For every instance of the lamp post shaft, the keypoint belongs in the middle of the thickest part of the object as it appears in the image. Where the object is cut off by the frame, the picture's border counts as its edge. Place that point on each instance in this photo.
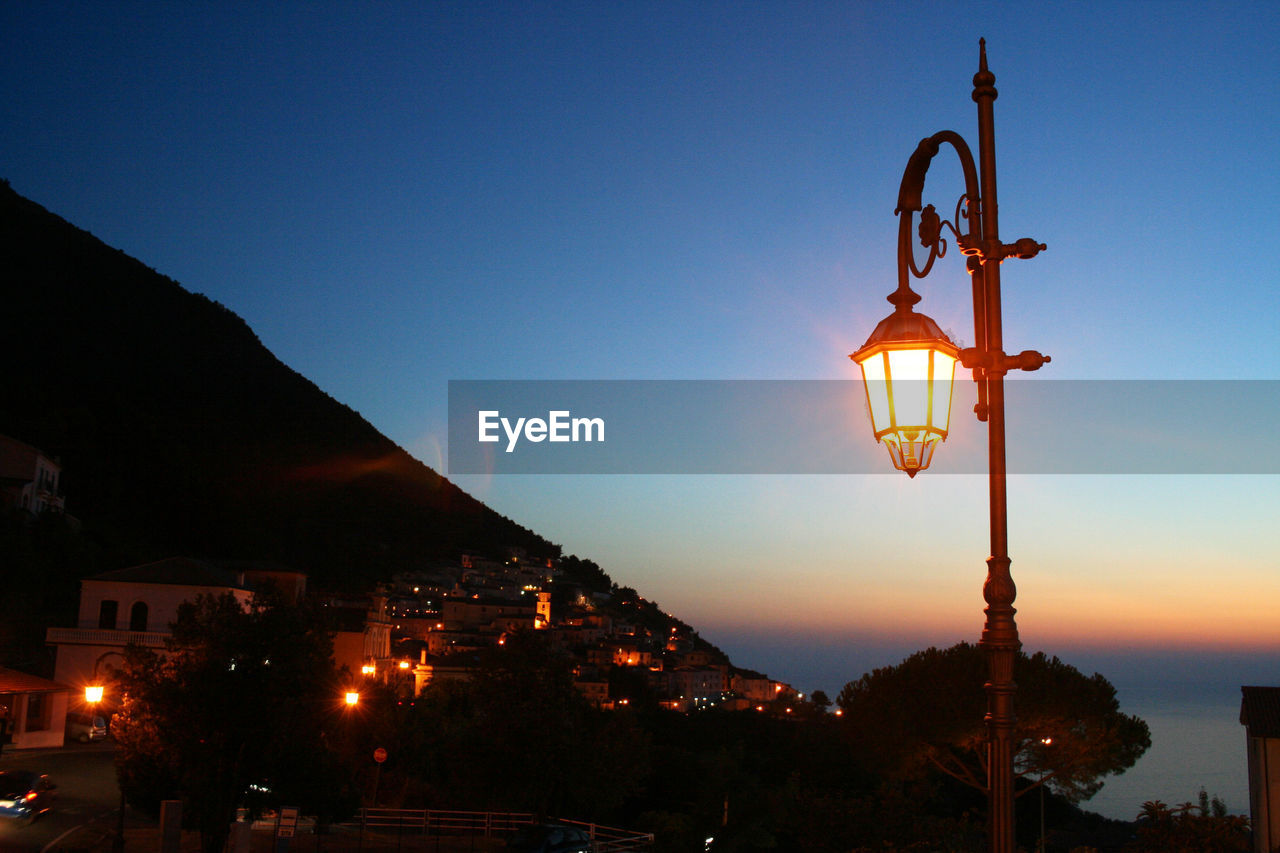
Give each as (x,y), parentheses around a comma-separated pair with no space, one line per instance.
(1000,633)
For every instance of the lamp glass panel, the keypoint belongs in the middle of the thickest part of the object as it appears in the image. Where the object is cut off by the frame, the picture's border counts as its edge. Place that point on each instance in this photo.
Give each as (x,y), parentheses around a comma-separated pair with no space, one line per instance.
(926,451)
(895,451)
(873,378)
(944,372)
(909,374)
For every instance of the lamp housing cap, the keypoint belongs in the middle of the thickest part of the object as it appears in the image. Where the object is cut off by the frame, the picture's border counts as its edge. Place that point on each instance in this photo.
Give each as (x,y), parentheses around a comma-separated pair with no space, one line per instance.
(909,328)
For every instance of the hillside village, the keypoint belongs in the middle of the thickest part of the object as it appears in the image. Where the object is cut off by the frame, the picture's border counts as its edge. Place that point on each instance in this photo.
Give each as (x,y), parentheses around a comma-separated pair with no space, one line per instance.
(420,627)
(623,646)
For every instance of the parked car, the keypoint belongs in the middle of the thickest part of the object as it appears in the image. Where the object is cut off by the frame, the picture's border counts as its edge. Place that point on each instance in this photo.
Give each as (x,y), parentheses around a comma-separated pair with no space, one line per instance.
(25,795)
(86,727)
(551,838)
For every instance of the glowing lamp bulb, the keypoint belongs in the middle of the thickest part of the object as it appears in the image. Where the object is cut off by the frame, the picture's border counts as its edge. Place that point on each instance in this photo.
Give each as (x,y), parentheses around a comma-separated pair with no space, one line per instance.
(908,365)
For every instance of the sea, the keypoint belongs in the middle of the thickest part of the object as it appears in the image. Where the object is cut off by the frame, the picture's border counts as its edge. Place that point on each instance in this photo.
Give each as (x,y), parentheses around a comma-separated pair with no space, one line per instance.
(1197,743)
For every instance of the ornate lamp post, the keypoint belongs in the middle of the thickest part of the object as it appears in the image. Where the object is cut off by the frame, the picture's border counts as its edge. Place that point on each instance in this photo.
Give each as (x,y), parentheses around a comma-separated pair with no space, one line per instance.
(94,693)
(907,366)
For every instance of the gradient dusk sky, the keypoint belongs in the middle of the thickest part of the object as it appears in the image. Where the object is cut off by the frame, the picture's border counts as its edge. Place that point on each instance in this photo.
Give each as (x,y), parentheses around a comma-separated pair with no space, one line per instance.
(394,195)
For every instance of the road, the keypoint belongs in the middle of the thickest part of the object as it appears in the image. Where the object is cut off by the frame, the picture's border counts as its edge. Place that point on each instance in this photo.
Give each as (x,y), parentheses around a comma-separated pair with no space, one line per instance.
(87,792)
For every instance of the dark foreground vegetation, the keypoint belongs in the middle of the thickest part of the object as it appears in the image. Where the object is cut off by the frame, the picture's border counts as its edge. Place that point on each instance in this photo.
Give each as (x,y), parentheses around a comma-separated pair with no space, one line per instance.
(247,712)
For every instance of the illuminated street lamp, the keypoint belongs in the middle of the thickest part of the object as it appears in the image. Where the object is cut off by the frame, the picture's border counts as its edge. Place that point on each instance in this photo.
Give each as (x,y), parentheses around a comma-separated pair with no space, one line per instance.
(1044,741)
(352,698)
(95,691)
(907,366)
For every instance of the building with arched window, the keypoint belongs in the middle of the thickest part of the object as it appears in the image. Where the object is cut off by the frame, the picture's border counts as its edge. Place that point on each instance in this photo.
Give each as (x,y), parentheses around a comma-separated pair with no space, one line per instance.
(138,604)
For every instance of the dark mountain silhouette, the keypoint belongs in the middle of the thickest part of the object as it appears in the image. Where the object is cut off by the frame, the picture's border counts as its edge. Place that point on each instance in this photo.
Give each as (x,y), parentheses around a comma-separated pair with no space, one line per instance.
(180,433)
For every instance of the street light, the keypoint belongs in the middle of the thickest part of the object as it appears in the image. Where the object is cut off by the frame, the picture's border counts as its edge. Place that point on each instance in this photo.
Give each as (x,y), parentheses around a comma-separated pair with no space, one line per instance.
(95,690)
(907,366)
(93,694)
(1044,741)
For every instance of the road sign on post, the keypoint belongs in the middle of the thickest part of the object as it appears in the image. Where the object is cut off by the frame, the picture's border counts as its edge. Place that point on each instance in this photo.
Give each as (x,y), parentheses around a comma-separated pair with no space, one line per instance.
(379,755)
(288,822)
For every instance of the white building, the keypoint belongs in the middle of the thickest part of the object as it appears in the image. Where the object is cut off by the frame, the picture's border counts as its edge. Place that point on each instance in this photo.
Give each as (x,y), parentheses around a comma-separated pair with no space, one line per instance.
(29,480)
(138,604)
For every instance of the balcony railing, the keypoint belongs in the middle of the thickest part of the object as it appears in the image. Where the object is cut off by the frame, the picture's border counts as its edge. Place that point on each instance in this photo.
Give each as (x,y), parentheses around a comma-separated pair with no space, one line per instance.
(105,637)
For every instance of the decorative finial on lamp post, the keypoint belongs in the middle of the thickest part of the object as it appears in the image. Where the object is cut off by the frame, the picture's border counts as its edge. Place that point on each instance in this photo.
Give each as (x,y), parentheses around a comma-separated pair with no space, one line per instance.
(984,82)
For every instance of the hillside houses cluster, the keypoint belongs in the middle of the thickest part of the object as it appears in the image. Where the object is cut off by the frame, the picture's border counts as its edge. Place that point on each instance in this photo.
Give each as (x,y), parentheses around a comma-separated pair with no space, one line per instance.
(438,622)
(423,627)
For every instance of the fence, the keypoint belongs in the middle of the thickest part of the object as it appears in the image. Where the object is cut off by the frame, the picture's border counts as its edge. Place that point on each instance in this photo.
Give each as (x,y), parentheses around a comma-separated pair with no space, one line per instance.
(427,823)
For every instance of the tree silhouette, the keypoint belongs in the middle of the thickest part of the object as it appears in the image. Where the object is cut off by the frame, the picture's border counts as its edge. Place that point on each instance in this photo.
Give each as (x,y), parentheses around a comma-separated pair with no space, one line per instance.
(219,714)
(928,710)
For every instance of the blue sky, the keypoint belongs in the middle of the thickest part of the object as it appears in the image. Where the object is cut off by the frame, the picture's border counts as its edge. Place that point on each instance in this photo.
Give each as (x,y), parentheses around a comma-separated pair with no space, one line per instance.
(394,195)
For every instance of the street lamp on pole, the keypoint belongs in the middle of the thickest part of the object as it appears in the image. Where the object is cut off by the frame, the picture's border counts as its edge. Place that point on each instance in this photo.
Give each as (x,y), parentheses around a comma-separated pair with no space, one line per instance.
(1044,741)
(94,692)
(907,368)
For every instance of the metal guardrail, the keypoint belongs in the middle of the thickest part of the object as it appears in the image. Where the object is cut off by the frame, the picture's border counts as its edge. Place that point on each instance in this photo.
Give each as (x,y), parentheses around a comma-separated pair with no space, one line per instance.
(443,822)
(610,839)
(430,822)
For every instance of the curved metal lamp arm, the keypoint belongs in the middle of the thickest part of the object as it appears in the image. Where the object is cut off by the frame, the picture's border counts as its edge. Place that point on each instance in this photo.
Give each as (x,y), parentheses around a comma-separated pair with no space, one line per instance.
(969,206)
(910,200)
(980,359)
(911,190)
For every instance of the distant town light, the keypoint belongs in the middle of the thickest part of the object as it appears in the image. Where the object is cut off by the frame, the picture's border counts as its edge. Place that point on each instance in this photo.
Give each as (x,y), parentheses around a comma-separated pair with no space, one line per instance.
(404,664)
(368,669)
